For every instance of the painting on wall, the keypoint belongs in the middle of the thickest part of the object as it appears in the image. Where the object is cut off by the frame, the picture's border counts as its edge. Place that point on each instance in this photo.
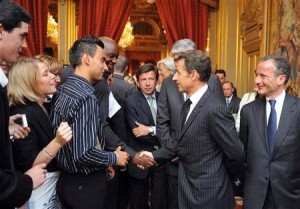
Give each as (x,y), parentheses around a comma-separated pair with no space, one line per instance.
(285,37)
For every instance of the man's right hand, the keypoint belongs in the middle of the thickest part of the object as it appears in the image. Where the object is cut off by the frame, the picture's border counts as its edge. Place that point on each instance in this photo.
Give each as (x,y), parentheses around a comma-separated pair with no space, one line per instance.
(122,157)
(37,174)
(143,161)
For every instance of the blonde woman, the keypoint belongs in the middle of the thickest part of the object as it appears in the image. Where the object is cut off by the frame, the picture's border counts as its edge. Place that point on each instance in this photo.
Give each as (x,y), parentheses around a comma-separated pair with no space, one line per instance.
(29,83)
(54,66)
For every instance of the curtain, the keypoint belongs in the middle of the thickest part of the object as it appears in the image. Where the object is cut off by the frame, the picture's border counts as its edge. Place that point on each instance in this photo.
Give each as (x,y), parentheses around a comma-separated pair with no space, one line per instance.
(36,40)
(103,17)
(184,19)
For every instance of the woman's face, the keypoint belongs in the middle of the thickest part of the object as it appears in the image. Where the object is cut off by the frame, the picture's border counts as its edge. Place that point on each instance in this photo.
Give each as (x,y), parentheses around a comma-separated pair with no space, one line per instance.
(163,71)
(57,79)
(46,81)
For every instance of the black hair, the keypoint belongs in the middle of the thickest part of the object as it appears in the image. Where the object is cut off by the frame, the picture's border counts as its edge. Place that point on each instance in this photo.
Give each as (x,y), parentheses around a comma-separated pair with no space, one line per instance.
(84,45)
(12,15)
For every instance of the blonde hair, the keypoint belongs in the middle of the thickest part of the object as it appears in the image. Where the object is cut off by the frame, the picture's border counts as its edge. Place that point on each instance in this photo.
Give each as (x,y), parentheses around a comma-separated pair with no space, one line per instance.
(22,83)
(54,65)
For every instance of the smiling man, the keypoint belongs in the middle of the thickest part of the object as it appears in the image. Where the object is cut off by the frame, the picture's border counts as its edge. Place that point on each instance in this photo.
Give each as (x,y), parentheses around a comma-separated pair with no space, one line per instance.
(270,132)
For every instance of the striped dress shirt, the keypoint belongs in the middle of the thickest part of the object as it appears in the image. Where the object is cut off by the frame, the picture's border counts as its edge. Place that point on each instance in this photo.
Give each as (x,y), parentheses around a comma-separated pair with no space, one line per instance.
(76,103)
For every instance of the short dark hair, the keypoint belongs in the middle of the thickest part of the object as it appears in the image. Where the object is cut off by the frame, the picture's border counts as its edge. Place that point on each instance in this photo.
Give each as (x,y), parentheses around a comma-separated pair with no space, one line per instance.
(121,64)
(220,71)
(12,15)
(146,68)
(84,45)
(282,66)
(199,61)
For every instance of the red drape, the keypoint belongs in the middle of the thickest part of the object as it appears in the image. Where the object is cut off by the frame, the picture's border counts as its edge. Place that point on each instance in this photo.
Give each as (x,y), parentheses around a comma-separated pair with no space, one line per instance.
(184,19)
(38,9)
(103,17)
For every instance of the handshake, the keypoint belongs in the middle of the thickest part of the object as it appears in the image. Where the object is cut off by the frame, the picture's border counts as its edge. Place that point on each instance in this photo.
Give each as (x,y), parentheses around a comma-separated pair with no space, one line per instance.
(144,160)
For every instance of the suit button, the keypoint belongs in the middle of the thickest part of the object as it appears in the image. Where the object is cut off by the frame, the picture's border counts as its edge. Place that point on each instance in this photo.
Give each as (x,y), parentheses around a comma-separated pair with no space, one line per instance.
(80,187)
(267,179)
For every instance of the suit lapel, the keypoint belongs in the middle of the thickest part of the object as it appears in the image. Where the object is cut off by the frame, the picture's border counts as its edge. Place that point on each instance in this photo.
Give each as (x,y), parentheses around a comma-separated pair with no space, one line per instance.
(196,111)
(40,117)
(286,119)
(143,103)
(259,113)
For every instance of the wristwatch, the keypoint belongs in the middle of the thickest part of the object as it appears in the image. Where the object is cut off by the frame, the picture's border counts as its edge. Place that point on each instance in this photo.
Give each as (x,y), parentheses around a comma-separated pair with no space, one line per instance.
(151,130)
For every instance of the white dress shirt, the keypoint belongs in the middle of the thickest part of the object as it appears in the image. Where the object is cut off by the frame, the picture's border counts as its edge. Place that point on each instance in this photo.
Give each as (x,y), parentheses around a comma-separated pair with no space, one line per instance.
(195,98)
(278,106)
(3,78)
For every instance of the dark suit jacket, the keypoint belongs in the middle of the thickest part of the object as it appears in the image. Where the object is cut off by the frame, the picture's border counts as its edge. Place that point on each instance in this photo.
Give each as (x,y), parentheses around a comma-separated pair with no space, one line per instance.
(137,109)
(281,169)
(215,85)
(234,105)
(121,88)
(15,188)
(114,128)
(209,151)
(169,106)
(168,120)
(41,134)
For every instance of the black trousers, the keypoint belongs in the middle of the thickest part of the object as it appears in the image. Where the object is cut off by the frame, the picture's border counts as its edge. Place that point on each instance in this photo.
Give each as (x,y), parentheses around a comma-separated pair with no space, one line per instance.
(82,191)
(118,195)
(155,184)
(173,192)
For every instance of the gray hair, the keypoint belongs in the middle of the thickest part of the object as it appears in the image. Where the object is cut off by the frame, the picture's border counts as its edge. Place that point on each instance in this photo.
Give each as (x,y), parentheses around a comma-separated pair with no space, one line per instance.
(168,63)
(281,66)
(183,45)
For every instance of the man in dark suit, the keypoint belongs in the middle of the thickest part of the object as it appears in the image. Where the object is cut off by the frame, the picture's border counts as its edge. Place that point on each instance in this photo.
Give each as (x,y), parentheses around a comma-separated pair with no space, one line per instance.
(209,150)
(15,188)
(140,110)
(270,132)
(168,116)
(232,101)
(119,87)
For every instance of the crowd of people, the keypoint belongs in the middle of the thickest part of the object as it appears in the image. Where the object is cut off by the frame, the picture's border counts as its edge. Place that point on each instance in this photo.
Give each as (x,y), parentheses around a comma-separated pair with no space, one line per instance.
(83,137)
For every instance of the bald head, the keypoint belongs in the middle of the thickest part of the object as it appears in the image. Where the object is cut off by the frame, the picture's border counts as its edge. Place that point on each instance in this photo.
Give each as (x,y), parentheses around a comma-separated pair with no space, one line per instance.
(112,52)
(110,46)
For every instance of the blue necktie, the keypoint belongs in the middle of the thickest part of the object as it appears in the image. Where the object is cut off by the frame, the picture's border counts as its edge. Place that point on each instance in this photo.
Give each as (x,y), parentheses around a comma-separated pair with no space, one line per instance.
(272,126)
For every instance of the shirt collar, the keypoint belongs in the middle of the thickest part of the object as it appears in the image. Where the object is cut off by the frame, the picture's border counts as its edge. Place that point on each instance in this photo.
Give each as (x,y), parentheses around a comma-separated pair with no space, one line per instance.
(153,95)
(279,99)
(3,78)
(198,94)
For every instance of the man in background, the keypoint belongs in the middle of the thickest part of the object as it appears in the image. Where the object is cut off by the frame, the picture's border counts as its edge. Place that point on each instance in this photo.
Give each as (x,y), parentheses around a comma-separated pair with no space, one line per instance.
(232,102)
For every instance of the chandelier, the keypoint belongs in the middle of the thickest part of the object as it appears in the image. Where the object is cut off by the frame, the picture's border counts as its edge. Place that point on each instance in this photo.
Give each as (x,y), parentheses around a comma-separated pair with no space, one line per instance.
(52,29)
(127,38)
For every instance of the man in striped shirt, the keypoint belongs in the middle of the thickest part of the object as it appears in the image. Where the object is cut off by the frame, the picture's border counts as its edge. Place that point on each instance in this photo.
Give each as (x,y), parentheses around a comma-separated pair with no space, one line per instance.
(83,182)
